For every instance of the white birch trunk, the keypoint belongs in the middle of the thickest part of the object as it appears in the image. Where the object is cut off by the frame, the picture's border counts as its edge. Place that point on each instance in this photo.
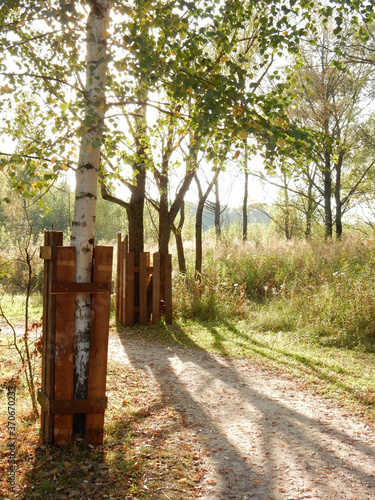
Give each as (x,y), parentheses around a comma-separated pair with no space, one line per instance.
(82,236)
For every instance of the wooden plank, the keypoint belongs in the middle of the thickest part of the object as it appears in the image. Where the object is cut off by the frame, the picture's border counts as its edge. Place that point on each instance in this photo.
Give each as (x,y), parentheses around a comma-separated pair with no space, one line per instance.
(168,288)
(149,271)
(123,278)
(63,287)
(118,277)
(156,289)
(129,287)
(46,288)
(45,253)
(52,239)
(143,288)
(64,355)
(71,406)
(101,305)
(124,297)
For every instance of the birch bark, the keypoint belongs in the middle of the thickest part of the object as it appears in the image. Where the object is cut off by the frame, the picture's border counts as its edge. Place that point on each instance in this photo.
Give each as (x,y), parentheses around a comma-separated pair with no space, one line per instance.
(82,236)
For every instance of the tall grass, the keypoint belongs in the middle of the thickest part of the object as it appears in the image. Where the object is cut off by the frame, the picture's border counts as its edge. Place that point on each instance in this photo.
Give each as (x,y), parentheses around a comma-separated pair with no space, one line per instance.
(325,291)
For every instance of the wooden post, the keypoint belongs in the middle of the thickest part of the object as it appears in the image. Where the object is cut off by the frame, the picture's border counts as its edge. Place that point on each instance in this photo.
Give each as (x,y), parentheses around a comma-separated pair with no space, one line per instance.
(101,305)
(119,277)
(152,302)
(129,289)
(64,355)
(156,289)
(52,239)
(144,258)
(168,288)
(123,274)
(56,394)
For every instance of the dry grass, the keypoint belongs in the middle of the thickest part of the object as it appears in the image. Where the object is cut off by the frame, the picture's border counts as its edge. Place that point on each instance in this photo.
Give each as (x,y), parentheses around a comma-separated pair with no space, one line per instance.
(148,451)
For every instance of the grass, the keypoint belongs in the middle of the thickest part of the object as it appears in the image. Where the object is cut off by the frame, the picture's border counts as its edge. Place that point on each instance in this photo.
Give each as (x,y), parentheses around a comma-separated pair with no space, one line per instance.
(14,306)
(148,450)
(302,309)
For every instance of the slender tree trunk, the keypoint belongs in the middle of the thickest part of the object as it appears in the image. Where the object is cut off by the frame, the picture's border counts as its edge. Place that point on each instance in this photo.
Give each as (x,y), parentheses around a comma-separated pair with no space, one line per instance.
(198,223)
(177,231)
(82,236)
(217,210)
(198,239)
(135,213)
(245,197)
(309,210)
(164,225)
(327,178)
(288,228)
(338,223)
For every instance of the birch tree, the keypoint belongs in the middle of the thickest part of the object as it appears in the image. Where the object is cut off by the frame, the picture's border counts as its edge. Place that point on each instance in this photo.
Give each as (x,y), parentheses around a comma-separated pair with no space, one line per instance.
(82,237)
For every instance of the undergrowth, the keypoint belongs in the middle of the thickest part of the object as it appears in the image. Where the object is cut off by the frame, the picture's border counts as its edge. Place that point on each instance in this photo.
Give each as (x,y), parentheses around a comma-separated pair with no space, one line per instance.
(323,290)
(148,450)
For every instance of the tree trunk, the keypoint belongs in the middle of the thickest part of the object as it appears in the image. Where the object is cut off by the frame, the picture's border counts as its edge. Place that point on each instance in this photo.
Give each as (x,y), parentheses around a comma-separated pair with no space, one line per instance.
(134,210)
(198,239)
(338,222)
(217,210)
(164,225)
(245,198)
(86,183)
(177,231)
(202,198)
(327,196)
(309,208)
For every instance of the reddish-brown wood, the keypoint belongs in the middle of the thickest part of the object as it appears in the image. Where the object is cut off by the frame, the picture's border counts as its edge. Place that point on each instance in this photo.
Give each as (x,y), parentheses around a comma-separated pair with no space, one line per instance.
(129,289)
(101,305)
(143,288)
(118,275)
(52,239)
(131,308)
(57,390)
(71,406)
(156,289)
(64,354)
(168,288)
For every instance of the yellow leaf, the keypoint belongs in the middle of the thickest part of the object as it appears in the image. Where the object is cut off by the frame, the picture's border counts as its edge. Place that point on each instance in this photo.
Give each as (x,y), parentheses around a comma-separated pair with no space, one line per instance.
(224,59)
(64,167)
(281,142)
(106,34)
(237,154)
(89,148)
(190,90)
(54,159)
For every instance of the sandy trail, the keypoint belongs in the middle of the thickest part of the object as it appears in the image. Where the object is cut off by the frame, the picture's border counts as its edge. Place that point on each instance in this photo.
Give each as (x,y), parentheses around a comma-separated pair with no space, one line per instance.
(262,436)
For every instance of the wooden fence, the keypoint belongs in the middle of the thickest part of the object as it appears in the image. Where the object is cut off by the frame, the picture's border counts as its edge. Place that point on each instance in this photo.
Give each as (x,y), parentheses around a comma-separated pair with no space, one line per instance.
(143,291)
(56,394)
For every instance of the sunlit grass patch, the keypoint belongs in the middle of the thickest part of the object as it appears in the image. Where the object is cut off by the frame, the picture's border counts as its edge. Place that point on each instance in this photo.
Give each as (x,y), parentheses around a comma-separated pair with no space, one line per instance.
(13,306)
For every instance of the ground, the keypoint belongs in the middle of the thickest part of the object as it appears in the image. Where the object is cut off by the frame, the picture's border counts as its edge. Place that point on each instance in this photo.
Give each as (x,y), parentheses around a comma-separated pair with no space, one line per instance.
(262,435)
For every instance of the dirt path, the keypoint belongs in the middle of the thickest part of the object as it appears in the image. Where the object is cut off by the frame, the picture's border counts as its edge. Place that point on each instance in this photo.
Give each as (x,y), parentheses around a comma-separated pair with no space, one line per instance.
(261,435)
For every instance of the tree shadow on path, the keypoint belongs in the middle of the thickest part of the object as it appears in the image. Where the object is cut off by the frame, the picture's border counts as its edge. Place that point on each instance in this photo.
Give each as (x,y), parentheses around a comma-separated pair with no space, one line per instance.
(261,438)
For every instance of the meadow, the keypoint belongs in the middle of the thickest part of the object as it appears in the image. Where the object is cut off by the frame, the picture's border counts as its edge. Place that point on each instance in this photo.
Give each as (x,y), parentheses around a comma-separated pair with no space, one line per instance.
(303,309)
